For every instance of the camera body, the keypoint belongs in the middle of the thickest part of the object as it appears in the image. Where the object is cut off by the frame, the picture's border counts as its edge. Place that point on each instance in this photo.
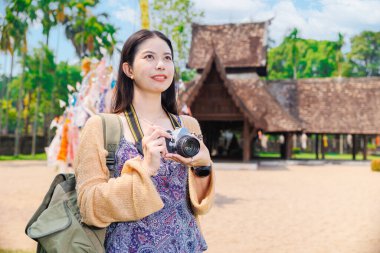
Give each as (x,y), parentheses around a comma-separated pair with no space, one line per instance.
(182,143)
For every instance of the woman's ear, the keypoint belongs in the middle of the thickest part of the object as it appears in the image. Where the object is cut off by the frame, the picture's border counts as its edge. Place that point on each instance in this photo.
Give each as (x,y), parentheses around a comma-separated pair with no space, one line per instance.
(127,69)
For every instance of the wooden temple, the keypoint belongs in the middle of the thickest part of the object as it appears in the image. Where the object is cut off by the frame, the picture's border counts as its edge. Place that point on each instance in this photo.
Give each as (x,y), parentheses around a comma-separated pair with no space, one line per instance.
(230,92)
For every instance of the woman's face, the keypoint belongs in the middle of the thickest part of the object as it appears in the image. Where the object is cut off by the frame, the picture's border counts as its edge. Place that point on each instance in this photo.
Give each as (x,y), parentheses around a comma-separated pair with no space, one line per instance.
(153,67)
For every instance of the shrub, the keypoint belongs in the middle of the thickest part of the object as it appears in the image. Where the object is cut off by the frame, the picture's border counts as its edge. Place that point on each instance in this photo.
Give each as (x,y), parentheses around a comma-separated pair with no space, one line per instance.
(371,146)
(296,150)
(375,165)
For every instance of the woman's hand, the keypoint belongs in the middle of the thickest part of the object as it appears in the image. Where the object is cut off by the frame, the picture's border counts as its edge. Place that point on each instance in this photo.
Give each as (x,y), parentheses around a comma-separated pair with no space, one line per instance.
(201,159)
(154,147)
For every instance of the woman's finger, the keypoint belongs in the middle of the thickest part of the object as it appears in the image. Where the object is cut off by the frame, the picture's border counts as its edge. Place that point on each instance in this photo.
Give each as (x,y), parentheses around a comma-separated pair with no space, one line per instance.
(153,128)
(180,158)
(160,142)
(159,150)
(157,133)
(168,156)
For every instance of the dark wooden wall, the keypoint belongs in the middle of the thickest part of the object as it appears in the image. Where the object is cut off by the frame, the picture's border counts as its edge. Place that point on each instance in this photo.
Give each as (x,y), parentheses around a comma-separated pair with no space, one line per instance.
(213,101)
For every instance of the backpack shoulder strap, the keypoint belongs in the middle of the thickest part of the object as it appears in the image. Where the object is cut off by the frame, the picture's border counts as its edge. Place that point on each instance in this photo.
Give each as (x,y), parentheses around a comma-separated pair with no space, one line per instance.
(112,131)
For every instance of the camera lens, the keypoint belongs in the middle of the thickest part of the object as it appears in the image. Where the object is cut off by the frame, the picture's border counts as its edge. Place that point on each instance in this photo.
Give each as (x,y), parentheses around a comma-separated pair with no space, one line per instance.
(188,146)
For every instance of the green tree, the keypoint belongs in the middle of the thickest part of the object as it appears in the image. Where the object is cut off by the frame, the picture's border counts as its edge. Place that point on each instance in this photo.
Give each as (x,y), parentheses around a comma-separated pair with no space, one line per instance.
(61,75)
(9,42)
(293,40)
(21,13)
(364,56)
(88,33)
(53,13)
(48,19)
(174,19)
(38,82)
(339,57)
(284,61)
(65,74)
(296,57)
(320,59)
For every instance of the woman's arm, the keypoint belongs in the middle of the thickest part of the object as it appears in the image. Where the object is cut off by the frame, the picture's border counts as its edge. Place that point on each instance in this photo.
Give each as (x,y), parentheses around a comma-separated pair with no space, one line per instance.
(201,189)
(101,200)
(202,185)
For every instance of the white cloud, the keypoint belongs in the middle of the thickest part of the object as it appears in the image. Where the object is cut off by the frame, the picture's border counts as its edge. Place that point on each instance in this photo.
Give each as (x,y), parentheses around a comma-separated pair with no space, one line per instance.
(125,13)
(217,12)
(322,20)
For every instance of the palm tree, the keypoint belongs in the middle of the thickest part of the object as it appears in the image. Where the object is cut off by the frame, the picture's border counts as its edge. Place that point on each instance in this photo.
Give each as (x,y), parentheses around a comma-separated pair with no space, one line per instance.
(338,53)
(60,17)
(87,32)
(293,38)
(21,13)
(75,26)
(90,37)
(7,45)
(35,118)
(49,20)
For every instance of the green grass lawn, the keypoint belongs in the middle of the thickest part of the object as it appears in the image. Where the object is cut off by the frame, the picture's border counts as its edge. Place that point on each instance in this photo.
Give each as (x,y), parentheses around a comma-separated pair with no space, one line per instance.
(269,155)
(14,251)
(41,156)
(311,156)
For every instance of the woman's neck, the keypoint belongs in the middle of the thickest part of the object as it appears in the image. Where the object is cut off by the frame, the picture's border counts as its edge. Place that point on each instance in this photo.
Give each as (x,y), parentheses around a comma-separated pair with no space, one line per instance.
(147,105)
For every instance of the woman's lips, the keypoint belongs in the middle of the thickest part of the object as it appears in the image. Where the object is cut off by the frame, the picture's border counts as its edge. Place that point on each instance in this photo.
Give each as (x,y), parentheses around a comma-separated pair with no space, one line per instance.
(159,78)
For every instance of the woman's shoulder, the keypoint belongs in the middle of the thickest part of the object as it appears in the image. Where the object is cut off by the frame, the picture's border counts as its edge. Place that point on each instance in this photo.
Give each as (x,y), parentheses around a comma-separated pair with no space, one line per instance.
(94,122)
(190,122)
(186,119)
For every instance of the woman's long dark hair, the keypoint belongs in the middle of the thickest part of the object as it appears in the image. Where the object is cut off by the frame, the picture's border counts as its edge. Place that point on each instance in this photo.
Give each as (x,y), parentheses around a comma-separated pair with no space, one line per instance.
(123,95)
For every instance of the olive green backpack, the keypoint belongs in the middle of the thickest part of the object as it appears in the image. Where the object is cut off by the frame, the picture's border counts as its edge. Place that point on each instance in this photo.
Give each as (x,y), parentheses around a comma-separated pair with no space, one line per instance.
(56,225)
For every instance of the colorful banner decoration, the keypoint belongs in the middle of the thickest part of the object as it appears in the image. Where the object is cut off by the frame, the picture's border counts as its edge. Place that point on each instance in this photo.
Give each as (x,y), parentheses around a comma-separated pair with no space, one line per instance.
(144,8)
(90,97)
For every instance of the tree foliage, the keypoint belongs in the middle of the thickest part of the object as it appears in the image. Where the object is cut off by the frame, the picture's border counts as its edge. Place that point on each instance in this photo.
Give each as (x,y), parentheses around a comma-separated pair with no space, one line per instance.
(364,57)
(60,75)
(296,57)
(174,19)
(304,58)
(43,82)
(88,33)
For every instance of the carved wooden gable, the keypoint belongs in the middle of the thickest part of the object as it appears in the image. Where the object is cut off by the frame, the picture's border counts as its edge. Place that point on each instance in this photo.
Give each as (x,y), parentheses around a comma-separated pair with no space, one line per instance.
(213,101)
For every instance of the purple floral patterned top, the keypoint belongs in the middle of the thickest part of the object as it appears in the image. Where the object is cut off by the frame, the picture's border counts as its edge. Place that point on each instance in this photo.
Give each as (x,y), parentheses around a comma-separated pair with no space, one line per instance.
(171,229)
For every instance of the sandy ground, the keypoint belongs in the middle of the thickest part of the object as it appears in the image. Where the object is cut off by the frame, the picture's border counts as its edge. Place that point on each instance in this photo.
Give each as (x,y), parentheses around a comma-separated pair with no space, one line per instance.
(295,209)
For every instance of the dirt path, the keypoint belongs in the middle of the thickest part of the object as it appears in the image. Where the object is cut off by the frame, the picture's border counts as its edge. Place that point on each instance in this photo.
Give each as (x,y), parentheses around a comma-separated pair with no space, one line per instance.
(23,185)
(298,209)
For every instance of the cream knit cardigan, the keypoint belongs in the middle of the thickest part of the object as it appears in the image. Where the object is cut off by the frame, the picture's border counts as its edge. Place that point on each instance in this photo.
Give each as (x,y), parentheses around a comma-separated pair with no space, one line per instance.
(130,197)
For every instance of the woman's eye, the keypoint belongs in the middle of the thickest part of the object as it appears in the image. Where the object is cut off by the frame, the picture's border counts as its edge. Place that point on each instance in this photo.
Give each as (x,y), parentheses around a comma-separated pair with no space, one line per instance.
(149,57)
(169,58)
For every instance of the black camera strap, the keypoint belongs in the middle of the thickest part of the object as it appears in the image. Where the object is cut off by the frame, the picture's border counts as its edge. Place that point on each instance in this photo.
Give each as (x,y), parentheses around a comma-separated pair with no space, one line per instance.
(133,123)
(135,127)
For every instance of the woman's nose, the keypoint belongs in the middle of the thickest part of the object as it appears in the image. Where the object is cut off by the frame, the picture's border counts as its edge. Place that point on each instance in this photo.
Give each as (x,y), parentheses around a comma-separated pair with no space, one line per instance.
(160,65)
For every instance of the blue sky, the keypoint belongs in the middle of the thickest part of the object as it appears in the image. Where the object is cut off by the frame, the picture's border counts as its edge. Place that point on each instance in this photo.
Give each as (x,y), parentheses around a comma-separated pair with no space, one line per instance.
(316,19)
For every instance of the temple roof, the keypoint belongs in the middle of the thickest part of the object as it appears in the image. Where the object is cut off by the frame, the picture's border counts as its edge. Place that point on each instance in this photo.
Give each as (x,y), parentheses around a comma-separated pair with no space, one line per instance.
(237,45)
(332,105)
(250,95)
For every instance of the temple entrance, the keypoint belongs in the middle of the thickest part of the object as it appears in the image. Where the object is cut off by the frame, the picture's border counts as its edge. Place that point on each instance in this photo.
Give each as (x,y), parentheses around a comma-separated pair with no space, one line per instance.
(223,139)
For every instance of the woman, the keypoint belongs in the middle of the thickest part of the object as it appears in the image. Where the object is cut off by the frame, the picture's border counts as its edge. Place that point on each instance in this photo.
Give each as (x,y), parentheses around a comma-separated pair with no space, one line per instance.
(153,202)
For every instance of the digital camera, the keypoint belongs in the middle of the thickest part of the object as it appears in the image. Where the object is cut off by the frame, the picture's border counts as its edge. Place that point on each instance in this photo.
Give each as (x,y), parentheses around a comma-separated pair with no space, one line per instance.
(183,143)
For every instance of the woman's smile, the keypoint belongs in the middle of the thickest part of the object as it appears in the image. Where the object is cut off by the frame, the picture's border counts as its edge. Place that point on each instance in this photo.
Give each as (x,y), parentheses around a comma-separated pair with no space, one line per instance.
(159,77)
